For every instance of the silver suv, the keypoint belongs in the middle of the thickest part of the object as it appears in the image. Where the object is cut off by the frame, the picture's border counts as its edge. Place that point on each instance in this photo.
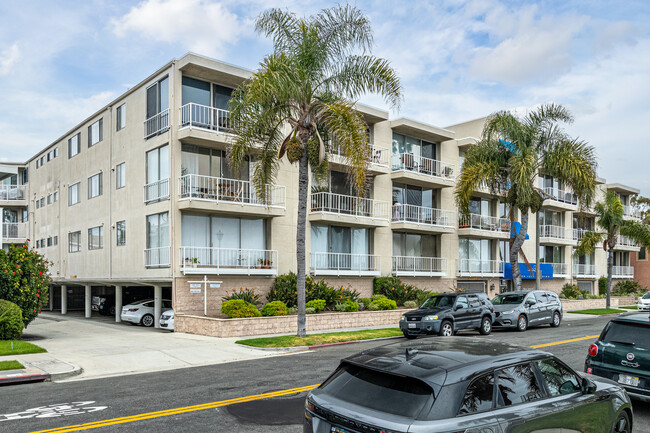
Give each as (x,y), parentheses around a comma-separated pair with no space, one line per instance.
(526,308)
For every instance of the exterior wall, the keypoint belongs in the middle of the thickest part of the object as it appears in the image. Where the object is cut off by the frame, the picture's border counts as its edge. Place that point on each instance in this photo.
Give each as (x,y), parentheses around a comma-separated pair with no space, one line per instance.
(641,269)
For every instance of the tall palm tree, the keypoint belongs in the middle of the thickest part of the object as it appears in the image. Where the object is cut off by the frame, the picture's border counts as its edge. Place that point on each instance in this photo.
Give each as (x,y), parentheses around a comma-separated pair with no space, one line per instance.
(512,152)
(609,216)
(301,99)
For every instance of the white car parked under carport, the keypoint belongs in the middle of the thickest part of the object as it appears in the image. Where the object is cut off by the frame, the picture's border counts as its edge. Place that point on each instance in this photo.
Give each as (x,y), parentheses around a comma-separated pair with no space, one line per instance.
(141,312)
(167,320)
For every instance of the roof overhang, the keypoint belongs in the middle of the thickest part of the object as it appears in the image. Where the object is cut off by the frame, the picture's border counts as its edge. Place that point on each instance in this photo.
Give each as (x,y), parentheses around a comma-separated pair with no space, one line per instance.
(112,281)
(624,189)
(371,114)
(421,130)
(215,71)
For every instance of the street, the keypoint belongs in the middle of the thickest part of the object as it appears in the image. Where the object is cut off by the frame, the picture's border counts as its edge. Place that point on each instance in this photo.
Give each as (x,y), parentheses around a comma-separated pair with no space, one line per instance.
(226,397)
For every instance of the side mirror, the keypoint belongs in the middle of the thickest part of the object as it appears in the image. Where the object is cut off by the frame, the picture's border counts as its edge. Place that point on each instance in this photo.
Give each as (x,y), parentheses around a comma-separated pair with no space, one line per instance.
(458,307)
(530,302)
(588,387)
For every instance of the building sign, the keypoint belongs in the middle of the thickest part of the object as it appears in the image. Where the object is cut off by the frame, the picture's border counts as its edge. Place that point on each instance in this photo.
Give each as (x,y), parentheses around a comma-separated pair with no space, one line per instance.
(546,268)
(215,286)
(195,286)
(195,290)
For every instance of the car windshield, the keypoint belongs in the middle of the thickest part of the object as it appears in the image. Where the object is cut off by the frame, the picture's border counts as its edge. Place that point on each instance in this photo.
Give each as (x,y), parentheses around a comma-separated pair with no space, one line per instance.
(646,296)
(374,390)
(439,302)
(636,334)
(512,299)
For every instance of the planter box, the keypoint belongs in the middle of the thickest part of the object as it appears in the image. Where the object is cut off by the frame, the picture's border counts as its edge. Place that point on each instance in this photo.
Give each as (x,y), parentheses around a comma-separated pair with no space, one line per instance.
(585,304)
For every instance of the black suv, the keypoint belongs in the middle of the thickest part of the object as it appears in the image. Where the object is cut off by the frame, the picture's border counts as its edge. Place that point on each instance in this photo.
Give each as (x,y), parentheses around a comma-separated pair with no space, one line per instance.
(448,313)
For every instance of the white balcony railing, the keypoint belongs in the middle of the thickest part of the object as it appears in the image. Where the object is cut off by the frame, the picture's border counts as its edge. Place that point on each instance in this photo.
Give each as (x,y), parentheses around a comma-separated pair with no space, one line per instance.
(480,268)
(422,215)
(156,257)
(581,270)
(228,261)
(482,222)
(559,269)
(345,264)
(631,211)
(156,124)
(552,232)
(14,230)
(194,186)
(623,271)
(579,234)
(560,196)
(156,191)
(349,205)
(12,192)
(419,266)
(422,165)
(378,155)
(624,241)
(205,117)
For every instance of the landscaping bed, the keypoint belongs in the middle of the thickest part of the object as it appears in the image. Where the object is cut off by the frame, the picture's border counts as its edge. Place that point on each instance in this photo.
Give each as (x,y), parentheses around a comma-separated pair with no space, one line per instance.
(19,348)
(598,311)
(317,339)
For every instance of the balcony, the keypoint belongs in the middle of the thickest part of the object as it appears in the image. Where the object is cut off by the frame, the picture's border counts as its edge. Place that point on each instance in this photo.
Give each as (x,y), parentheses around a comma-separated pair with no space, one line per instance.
(560,200)
(480,268)
(482,226)
(228,261)
(560,270)
(631,212)
(378,161)
(622,271)
(203,124)
(156,191)
(156,124)
(623,243)
(13,195)
(345,264)
(418,170)
(409,266)
(585,271)
(14,232)
(579,234)
(422,219)
(555,235)
(156,257)
(330,207)
(236,196)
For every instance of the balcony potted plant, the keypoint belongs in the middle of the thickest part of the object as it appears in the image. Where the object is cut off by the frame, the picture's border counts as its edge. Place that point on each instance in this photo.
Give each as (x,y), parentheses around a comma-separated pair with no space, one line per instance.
(449,171)
(266,264)
(191,261)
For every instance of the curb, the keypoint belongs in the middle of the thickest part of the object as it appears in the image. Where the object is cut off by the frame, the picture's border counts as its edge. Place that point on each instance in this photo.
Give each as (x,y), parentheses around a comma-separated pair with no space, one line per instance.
(66,374)
(23,377)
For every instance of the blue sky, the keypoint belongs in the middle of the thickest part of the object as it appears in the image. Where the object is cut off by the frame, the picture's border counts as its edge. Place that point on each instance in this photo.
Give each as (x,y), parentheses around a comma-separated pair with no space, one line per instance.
(458,60)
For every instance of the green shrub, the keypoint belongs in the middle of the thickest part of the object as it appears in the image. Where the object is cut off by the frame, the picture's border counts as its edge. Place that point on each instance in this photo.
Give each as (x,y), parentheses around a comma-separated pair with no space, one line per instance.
(320,290)
(602,286)
(293,310)
(373,306)
(365,301)
(377,297)
(275,308)
(284,289)
(238,308)
(316,304)
(393,288)
(310,310)
(347,306)
(381,285)
(384,304)
(627,288)
(571,291)
(349,293)
(411,304)
(11,321)
(247,295)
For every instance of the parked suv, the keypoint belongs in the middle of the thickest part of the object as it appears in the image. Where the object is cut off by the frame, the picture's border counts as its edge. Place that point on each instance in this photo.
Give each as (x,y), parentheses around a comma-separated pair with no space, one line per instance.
(448,313)
(525,308)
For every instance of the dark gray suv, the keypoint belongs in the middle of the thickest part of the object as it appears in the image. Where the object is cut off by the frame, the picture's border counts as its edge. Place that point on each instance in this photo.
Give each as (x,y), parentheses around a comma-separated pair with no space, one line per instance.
(521,309)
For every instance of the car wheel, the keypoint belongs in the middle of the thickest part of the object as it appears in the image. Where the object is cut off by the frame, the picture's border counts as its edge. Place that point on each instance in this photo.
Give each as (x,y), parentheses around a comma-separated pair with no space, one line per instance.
(486,326)
(147,320)
(446,329)
(622,424)
(556,320)
(112,311)
(522,323)
(409,336)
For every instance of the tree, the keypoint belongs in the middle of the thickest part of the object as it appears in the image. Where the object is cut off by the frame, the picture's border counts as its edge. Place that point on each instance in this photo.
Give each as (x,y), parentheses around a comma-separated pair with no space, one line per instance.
(512,152)
(24,280)
(643,204)
(609,216)
(301,100)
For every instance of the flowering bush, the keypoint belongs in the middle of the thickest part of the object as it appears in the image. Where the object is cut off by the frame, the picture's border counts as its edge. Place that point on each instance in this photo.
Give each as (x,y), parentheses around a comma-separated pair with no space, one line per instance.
(285,289)
(393,288)
(247,295)
(24,280)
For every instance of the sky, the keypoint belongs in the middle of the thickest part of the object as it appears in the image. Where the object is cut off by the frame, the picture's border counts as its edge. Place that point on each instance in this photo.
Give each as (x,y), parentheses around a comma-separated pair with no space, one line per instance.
(60,61)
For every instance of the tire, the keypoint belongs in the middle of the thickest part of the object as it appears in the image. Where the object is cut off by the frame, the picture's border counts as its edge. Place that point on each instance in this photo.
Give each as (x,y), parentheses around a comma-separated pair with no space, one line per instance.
(522,323)
(111,311)
(486,326)
(147,320)
(409,336)
(622,424)
(446,329)
(556,320)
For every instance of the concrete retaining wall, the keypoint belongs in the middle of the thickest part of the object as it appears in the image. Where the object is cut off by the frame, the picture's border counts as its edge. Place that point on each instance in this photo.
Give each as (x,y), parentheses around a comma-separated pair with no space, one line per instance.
(584,304)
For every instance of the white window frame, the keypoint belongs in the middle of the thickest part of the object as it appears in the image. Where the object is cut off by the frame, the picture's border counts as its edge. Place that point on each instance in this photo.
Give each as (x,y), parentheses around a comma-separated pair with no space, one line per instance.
(74,247)
(76,187)
(76,142)
(91,192)
(120,227)
(99,124)
(120,117)
(120,175)
(99,235)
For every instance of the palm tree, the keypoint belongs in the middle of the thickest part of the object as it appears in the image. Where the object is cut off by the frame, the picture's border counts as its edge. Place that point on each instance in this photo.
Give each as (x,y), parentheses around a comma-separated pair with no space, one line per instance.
(609,216)
(301,100)
(510,155)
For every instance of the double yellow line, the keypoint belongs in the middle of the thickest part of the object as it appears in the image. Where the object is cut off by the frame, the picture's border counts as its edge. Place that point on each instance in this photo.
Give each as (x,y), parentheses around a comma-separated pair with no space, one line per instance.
(555,343)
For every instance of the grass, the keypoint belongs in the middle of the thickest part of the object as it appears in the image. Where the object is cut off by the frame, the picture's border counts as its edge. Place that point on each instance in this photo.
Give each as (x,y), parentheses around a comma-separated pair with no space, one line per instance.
(314,339)
(20,348)
(11,365)
(598,311)
(631,307)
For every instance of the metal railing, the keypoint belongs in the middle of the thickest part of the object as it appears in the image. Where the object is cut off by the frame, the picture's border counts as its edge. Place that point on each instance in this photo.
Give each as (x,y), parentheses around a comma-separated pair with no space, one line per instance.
(483,222)
(632,211)
(194,186)
(14,230)
(553,232)
(410,265)
(12,192)
(623,271)
(156,124)
(156,257)
(579,234)
(349,205)
(585,270)
(344,263)
(202,116)
(560,196)
(156,191)
(422,165)
(470,267)
(422,215)
(377,155)
(228,260)
(624,241)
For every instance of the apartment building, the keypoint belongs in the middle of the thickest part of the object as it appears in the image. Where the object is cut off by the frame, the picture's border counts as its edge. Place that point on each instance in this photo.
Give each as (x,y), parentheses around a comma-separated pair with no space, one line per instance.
(139,197)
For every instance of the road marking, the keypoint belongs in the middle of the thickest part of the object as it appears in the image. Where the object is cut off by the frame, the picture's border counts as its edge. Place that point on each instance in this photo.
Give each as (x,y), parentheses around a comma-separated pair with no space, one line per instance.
(588,337)
(176,411)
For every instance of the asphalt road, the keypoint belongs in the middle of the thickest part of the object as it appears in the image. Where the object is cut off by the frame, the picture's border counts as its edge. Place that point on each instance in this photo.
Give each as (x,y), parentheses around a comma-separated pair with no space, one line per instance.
(199,399)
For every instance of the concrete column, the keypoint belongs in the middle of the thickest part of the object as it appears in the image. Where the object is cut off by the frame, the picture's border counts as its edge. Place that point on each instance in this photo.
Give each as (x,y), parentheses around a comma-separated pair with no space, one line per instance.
(64,299)
(118,303)
(88,300)
(50,299)
(157,306)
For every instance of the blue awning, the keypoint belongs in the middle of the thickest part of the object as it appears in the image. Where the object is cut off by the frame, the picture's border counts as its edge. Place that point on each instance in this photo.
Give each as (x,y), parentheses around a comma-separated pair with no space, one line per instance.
(546,268)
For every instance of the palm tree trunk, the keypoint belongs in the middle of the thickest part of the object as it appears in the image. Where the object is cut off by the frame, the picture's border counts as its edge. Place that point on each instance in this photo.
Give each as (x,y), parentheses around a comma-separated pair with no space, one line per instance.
(303,187)
(610,269)
(515,248)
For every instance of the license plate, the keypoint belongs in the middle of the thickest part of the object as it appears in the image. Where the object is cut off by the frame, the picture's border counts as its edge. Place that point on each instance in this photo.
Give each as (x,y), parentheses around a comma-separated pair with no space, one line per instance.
(411,325)
(338,430)
(624,379)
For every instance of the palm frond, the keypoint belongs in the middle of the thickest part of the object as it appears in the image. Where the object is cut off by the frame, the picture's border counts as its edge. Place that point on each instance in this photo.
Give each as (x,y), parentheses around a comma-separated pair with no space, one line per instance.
(588,243)
(342,29)
(282,26)
(636,231)
(483,165)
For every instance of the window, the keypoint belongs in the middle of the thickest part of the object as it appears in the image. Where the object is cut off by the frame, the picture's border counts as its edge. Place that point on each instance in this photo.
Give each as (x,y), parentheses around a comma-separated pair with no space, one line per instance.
(541,297)
(462,302)
(627,334)
(42,201)
(642,254)
(55,196)
(73,194)
(478,396)
(96,132)
(120,230)
(55,240)
(49,156)
(157,113)
(55,152)
(42,160)
(341,248)
(74,242)
(157,240)
(95,238)
(74,145)
(24,177)
(38,163)
(49,241)
(157,187)
(518,384)
(38,204)
(49,199)
(95,185)
(120,175)
(559,379)
(120,117)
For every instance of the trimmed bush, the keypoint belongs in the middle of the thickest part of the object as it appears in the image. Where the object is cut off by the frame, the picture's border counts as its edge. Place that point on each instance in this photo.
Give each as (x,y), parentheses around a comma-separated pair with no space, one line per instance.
(384,304)
(316,304)
(627,288)
(238,308)
(365,301)
(347,306)
(293,310)
(393,288)
(411,304)
(310,310)
(11,321)
(602,286)
(571,291)
(275,308)
(377,297)
(247,295)
(373,307)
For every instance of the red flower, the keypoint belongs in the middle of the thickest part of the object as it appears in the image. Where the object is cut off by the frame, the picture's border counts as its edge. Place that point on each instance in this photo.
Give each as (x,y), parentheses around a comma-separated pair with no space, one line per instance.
(17,266)
(40,273)
(5,270)
(38,295)
(34,310)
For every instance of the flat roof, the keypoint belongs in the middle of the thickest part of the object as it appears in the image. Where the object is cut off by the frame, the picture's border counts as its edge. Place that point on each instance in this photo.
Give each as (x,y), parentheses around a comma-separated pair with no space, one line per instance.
(619,187)
(422,130)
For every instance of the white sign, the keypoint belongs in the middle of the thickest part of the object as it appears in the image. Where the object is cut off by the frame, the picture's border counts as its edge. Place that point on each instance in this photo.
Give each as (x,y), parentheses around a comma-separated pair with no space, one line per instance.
(195,290)
(195,286)
(215,286)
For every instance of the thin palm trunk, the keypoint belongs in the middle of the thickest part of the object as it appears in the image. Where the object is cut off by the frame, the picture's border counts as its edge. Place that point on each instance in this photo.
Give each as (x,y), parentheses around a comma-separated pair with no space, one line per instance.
(516,247)
(610,269)
(303,187)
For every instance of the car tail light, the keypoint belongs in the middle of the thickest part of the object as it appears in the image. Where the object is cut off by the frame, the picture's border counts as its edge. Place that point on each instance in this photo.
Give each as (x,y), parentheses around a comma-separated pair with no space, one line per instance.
(590,371)
(593,350)
(133,309)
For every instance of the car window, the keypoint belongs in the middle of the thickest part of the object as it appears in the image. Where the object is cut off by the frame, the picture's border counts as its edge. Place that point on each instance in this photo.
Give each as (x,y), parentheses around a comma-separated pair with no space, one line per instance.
(552,297)
(559,379)
(462,300)
(508,299)
(474,302)
(646,296)
(518,384)
(633,334)
(439,302)
(478,396)
(148,304)
(541,297)
(167,304)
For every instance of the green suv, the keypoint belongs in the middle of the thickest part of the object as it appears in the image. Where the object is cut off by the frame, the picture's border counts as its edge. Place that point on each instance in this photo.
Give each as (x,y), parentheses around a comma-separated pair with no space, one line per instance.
(622,354)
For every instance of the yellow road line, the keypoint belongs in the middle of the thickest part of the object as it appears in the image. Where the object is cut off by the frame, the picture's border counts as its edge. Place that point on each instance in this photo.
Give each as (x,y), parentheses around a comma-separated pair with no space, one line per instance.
(588,337)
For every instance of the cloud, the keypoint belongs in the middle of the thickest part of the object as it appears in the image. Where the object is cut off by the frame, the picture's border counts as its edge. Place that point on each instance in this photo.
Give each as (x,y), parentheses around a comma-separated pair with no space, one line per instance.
(8,58)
